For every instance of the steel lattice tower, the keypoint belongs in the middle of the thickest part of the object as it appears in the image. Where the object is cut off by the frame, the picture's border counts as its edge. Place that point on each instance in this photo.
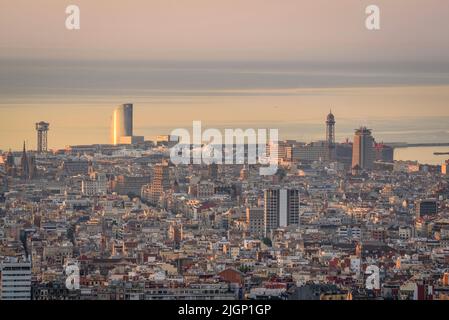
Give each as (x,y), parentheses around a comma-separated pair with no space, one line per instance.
(330,134)
(42,129)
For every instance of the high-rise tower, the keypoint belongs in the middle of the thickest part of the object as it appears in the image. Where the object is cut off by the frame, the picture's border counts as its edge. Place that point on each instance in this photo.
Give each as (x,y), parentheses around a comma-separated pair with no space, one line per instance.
(363,149)
(15,283)
(42,129)
(122,122)
(281,209)
(160,183)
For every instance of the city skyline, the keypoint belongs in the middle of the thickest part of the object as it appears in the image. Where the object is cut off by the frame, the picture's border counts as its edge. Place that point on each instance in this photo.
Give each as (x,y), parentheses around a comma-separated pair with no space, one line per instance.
(224,150)
(121,133)
(395,130)
(273,64)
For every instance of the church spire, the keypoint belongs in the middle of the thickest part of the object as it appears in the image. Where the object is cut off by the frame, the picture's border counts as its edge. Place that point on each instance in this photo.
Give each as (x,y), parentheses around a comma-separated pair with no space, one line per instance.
(24,163)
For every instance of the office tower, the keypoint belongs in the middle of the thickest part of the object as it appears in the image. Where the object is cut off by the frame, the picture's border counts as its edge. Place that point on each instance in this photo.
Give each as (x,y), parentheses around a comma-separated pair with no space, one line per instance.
(445,168)
(343,153)
(42,129)
(122,122)
(363,149)
(159,184)
(426,207)
(281,209)
(161,176)
(15,279)
(255,222)
(330,134)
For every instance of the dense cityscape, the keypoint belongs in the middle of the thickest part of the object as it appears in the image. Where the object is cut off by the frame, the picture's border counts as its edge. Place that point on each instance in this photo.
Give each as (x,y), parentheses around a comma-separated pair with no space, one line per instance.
(138,227)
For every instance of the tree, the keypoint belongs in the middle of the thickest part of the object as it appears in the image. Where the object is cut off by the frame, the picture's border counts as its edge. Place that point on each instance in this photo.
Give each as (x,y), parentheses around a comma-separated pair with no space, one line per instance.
(267,242)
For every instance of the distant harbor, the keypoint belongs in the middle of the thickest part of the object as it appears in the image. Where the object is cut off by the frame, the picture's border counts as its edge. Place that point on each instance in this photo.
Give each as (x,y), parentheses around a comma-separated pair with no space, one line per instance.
(424,155)
(398,145)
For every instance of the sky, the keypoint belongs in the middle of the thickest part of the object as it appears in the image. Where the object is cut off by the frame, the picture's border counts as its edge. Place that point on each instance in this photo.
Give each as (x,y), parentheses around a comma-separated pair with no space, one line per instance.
(226,29)
(227,63)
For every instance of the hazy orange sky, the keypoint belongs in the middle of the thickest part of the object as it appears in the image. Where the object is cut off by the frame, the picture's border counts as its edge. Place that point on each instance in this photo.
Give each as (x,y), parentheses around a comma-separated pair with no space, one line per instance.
(226,29)
(275,63)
